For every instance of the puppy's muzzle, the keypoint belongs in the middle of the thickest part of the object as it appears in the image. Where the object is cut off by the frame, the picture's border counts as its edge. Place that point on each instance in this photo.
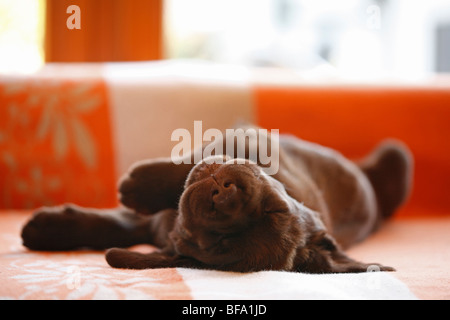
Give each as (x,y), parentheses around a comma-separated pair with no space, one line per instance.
(224,196)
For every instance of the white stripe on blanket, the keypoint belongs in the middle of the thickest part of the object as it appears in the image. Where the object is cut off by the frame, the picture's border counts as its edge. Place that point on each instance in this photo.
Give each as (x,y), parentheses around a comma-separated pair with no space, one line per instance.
(206,285)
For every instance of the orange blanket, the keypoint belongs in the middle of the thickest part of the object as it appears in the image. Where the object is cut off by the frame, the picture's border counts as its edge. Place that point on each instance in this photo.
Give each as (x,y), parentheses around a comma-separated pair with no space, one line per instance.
(418,249)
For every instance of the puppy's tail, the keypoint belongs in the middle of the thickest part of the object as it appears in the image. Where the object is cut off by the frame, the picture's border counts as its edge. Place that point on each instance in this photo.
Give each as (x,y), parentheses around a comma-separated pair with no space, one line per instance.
(390,171)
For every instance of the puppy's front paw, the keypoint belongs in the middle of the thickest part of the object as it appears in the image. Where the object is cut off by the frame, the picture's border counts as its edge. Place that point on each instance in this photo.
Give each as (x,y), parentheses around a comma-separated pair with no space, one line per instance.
(152,186)
(125,259)
(134,193)
(117,258)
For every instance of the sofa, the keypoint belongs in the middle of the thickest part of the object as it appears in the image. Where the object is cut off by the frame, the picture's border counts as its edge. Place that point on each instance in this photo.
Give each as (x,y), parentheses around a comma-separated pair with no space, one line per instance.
(70,131)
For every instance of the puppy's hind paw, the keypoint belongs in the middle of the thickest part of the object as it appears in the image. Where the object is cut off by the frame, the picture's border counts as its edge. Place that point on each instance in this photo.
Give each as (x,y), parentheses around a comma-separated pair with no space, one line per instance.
(51,229)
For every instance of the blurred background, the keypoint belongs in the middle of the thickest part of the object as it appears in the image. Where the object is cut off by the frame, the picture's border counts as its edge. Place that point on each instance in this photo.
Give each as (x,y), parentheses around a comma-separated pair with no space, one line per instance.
(352,38)
(269,62)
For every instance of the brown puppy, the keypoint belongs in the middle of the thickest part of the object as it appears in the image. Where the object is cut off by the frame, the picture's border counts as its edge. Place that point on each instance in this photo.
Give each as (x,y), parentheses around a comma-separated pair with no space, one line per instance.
(233,216)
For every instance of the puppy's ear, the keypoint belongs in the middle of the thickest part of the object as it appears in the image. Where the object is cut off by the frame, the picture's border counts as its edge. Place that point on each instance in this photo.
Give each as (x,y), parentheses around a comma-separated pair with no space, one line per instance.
(323,255)
(275,198)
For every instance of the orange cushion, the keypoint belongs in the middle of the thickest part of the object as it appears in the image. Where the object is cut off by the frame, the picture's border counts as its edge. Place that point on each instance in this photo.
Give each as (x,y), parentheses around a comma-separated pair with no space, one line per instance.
(354,119)
(55,143)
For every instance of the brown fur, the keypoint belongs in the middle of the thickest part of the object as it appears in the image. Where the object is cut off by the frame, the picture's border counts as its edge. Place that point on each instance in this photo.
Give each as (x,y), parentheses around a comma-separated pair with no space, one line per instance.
(235,217)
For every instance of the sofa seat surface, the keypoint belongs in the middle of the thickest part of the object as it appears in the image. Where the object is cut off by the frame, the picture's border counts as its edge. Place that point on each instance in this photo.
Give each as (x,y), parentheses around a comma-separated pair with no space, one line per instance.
(69,132)
(417,248)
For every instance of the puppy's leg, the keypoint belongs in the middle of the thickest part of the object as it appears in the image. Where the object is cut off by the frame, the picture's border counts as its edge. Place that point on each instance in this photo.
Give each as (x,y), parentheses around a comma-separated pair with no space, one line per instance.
(71,227)
(390,170)
(153,185)
(125,259)
(323,255)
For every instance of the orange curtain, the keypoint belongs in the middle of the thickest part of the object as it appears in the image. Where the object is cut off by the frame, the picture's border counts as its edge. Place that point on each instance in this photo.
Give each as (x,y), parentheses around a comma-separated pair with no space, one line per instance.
(111,30)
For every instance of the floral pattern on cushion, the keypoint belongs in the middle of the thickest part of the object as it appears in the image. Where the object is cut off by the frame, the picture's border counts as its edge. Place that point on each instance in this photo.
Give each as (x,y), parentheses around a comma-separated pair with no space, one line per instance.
(55,143)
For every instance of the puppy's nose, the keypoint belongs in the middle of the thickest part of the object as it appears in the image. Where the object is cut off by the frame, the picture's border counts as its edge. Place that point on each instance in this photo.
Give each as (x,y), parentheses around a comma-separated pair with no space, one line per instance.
(223,193)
